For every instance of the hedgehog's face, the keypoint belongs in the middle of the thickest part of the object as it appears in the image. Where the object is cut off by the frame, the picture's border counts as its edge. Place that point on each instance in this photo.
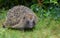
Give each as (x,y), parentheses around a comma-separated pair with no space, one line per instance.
(30,21)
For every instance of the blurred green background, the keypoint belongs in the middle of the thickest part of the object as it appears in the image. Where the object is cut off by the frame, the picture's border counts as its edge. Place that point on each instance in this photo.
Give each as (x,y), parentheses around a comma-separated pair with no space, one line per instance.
(48,12)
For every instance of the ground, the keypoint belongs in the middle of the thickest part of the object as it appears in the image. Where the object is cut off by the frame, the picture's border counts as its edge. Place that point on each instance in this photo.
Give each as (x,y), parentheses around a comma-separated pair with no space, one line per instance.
(45,28)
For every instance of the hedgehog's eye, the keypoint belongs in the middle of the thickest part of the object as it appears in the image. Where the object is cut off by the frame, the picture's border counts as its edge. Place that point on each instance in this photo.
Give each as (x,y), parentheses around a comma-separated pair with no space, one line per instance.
(23,17)
(34,22)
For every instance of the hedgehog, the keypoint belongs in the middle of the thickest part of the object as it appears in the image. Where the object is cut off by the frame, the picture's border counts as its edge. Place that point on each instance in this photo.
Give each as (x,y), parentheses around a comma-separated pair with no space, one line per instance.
(20,17)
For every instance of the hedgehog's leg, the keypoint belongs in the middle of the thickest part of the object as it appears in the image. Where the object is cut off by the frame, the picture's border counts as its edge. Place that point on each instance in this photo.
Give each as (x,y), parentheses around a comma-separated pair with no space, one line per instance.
(4,24)
(18,26)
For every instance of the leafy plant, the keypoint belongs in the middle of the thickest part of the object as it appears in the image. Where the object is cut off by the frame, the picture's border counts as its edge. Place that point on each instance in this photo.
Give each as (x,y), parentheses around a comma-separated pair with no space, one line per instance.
(52,11)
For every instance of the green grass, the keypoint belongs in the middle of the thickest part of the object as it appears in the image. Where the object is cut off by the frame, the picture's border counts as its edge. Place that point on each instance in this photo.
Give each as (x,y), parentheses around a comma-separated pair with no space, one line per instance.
(45,28)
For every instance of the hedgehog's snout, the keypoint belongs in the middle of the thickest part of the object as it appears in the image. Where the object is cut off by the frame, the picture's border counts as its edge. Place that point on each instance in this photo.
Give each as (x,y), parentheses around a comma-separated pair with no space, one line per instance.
(30,24)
